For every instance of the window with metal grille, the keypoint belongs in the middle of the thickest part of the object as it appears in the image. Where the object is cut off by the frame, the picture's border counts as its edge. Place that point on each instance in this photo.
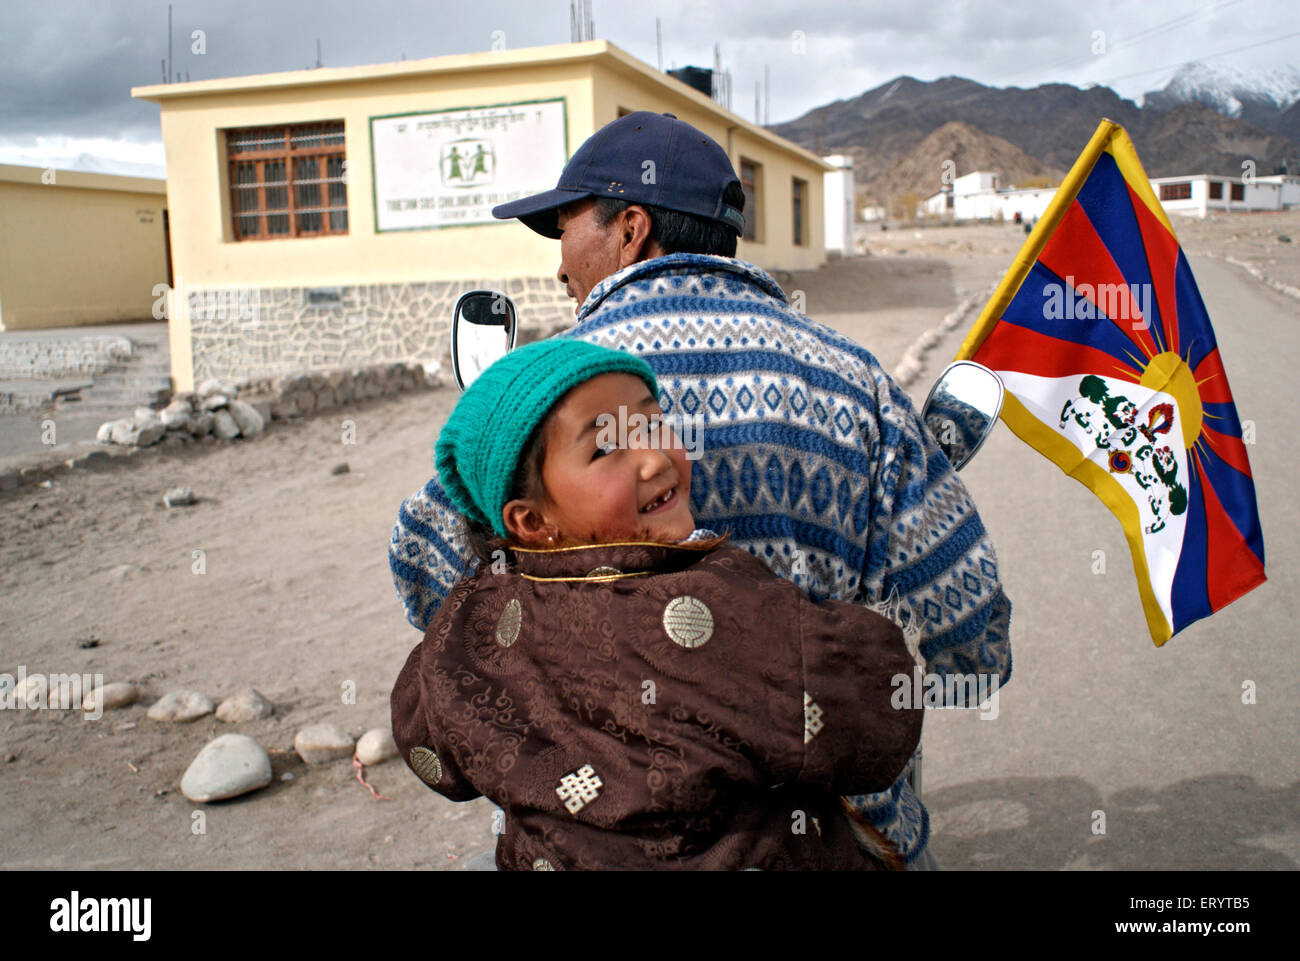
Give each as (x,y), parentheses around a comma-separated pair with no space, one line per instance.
(750,173)
(1182,191)
(1216,189)
(1239,192)
(288,181)
(798,191)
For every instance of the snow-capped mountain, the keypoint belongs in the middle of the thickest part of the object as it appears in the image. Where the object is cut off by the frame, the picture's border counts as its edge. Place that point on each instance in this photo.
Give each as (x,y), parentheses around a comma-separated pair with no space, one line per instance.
(1260,97)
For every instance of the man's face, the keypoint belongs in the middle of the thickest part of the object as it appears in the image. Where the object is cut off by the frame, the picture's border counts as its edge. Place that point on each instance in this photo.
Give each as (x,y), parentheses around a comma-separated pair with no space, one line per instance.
(588,252)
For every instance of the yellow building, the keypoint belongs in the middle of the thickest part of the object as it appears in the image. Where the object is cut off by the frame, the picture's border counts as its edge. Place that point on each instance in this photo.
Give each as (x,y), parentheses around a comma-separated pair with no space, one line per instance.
(79,248)
(329,218)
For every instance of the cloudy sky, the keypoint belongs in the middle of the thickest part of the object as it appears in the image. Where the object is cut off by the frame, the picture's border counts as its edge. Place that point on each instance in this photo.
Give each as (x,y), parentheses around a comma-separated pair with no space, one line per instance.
(67,66)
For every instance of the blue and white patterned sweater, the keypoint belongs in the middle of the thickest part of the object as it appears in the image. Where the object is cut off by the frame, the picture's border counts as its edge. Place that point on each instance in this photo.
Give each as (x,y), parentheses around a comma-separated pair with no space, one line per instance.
(811,456)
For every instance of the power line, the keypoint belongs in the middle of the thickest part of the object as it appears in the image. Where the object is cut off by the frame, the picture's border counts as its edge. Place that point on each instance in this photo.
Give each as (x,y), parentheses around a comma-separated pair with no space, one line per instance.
(1208,56)
(1141,35)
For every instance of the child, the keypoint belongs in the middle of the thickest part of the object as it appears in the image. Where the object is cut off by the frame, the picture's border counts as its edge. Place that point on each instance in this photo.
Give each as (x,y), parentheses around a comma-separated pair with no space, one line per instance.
(631,691)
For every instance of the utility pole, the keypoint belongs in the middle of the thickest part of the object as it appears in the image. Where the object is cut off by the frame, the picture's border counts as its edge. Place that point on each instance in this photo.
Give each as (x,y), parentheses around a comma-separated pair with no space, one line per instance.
(659,44)
(318,60)
(767,96)
(169,43)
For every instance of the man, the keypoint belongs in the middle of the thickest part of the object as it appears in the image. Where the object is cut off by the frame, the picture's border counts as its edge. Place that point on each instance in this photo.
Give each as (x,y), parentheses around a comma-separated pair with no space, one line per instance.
(813,457)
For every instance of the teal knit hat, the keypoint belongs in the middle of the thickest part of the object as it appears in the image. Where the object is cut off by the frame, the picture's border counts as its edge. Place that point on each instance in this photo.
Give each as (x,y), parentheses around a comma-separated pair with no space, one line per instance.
(478,450)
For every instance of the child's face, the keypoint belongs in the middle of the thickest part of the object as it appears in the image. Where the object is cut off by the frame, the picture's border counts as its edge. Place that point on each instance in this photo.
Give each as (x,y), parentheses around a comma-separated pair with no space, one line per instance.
(599,478)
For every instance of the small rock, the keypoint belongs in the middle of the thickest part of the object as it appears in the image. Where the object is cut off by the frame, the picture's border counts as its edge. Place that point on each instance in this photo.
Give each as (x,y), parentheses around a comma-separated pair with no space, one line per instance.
(246,705)
(1283,239)
(10,758)
(110,697)
(249,420)
(201,425)
(86,643)
(215,402)
(322,743)
(224,425)
(376,746)
(179,497)
(227,767)
(176,416)
(119,431)
(147,435)
(286,776)
(47,484)
(105,433)
(211,387)
(340,468)
(180,706)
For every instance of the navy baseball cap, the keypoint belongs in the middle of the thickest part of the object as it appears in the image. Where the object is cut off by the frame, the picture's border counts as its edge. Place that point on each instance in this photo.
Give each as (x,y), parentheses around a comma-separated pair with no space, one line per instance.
(690,172)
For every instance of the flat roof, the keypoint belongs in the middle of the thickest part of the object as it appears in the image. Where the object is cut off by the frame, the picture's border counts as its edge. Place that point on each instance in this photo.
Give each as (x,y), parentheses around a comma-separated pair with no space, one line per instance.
(84,180)
(590,50)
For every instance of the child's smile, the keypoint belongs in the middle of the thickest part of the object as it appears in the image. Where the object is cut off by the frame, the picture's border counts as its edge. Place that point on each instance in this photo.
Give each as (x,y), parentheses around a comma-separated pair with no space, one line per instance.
(604,485)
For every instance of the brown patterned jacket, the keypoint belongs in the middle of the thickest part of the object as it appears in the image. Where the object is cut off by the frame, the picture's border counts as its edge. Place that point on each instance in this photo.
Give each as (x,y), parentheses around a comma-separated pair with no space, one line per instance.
(656,706)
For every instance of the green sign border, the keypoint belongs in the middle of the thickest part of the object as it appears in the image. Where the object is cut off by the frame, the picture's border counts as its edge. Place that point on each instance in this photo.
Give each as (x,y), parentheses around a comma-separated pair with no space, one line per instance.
(374,181)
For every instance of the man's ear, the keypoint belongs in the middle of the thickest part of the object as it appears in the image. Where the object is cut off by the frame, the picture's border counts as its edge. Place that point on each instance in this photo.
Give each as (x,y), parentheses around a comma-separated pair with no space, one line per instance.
(526,524)
(635,243)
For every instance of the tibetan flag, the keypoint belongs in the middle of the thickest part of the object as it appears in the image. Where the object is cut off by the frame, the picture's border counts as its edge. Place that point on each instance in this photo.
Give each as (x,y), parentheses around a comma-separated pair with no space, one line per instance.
(1112,372)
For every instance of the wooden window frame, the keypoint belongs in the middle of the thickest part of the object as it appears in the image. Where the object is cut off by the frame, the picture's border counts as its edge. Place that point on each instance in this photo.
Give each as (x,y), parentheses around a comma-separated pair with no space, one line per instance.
(799,212)
(1238,193)
(753,189)
(1176,191)
(280,148)
(1216,189)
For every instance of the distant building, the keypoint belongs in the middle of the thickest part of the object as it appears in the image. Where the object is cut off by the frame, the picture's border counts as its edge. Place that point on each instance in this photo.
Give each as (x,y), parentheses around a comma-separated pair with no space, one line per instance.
(837,193)
(79,248)
(1196,195)
(343,210)
(975,196)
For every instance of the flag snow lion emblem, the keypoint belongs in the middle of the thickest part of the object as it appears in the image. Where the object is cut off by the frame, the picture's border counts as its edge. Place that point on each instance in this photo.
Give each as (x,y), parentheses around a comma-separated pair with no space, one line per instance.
(1113,372)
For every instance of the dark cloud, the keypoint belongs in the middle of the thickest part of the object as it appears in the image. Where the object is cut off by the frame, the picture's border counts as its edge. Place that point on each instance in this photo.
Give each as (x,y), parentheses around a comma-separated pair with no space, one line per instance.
(67,66)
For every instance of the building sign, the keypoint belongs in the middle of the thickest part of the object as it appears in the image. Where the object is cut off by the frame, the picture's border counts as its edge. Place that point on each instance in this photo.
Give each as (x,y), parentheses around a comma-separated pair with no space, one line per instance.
(451,167)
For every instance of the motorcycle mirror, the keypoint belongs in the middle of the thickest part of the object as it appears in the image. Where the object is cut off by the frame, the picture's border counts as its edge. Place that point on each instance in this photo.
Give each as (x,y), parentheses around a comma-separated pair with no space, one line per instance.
(482,332)
(962,408)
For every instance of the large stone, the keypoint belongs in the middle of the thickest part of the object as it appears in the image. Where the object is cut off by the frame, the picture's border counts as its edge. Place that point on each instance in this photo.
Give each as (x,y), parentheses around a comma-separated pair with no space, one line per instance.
(111,697)
(105,433)
(246,705)
(227,767)
(376,746)
(305,400)
(215,402)
(249,420)
(224,425)
(322,743)
(146,416)
(180,706)
(178,497)
(325,399)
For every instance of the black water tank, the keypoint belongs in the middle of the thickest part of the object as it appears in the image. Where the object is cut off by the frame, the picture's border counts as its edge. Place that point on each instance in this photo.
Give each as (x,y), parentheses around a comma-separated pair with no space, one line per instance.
(697,77)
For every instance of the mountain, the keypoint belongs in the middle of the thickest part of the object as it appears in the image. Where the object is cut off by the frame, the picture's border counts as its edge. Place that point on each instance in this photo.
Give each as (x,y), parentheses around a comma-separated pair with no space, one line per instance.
(921,170)
(1259,97)
(1048,125)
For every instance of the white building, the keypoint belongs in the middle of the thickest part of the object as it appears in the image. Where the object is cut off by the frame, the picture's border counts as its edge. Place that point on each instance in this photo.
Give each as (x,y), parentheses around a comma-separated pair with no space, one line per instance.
(976,196)
(1196,195)
(837,200)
